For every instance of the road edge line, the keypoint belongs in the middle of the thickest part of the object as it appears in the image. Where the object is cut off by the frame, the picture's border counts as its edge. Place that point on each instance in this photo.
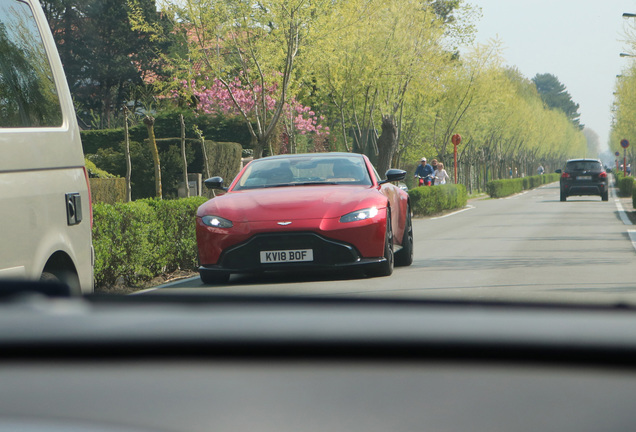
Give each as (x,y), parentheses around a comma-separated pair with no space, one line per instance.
(167,285)
(468,207)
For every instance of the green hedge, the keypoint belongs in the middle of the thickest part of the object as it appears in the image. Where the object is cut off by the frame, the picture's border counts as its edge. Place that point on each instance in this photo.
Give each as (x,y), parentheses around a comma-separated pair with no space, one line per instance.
(429,200)
(137,241)
(507,187)
(625,186)
(108,190)
(503,188)
(168,124)
(224,158)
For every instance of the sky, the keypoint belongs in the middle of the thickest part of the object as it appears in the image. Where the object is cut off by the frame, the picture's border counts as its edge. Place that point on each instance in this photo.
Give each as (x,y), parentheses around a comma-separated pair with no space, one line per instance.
(578,41)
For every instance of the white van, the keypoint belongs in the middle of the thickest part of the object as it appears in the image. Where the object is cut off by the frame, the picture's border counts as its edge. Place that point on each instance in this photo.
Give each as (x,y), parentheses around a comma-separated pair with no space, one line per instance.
(45,204)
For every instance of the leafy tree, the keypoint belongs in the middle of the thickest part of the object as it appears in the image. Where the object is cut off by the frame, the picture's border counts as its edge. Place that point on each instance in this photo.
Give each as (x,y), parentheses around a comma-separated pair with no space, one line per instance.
(108,48)
(258,43)
(235,99)
(554,95)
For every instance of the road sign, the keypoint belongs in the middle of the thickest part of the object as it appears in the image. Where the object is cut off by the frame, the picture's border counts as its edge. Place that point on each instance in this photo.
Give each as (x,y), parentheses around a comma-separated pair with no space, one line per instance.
(456,139)
(617,153)
(624,143)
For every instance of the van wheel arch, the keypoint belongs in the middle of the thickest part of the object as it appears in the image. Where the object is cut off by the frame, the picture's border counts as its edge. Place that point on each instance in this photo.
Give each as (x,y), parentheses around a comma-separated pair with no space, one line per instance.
(60,268)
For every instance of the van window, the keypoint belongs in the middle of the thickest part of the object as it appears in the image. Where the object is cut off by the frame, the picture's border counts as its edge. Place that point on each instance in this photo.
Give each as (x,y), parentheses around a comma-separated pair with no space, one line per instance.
(28,97)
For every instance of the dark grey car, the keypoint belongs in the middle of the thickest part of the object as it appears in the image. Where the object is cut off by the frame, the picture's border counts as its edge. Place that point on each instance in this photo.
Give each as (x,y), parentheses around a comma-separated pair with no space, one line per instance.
(583,177)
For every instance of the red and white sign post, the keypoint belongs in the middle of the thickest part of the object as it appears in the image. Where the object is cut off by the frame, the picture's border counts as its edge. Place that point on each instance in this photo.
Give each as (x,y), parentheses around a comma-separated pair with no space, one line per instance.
(456,139)
(617,155)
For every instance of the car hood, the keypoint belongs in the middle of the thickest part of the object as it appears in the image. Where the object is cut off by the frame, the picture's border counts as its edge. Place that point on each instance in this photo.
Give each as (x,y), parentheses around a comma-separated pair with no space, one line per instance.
(293,202)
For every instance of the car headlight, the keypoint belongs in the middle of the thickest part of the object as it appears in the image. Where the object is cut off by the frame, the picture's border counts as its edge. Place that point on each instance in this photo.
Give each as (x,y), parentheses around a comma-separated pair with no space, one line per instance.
(359,215)
(216,222)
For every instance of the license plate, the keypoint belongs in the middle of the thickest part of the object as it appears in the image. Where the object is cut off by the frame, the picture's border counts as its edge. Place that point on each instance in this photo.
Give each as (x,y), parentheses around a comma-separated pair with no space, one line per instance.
(584,178)
(280,256)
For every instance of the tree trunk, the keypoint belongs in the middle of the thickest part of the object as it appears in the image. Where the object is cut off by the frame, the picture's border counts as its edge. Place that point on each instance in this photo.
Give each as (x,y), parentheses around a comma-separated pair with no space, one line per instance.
(205,157)
(128,163)
(257,146)
(185,161)
(150,124)
(387,144)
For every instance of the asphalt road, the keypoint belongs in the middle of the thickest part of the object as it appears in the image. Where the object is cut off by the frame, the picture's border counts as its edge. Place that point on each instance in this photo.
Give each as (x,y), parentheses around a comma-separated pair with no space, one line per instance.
(528,247)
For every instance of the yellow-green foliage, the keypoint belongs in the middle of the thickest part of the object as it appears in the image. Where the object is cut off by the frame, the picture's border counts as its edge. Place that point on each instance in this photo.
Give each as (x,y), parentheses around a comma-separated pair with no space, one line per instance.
(429,200)
(139,240)
(95,172)
(108,190)
(626,186)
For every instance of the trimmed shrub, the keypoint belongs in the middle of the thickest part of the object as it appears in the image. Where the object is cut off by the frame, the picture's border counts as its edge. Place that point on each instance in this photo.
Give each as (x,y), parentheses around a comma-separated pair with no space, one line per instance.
(94,172)
(507,187)
(137,241)
(503,188)
(108,190)
(177,240)
(122,238)
(626,186)
(429,200)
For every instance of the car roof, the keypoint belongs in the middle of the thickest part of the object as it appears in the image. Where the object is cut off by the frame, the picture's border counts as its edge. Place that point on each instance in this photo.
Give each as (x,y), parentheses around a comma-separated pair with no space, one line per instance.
(584,160)
(325,154)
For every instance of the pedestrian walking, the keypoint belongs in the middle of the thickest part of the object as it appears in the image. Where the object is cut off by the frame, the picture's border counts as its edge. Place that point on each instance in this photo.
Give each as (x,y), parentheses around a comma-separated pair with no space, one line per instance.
(440,175)
(540,170)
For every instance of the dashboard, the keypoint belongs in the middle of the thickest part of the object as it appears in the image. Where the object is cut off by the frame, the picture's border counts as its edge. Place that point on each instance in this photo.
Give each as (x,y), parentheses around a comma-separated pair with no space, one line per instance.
(312,364)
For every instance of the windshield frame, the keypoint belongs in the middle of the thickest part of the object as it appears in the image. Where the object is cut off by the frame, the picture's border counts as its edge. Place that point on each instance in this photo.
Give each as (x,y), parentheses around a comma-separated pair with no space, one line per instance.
(304,170)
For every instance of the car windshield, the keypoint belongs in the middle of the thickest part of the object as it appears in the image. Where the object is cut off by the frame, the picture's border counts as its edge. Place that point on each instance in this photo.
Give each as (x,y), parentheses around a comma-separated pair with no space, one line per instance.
(417,149)
(306,170)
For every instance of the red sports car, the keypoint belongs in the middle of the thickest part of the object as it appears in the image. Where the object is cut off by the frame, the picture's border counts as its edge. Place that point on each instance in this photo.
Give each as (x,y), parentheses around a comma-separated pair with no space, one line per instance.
(307,211)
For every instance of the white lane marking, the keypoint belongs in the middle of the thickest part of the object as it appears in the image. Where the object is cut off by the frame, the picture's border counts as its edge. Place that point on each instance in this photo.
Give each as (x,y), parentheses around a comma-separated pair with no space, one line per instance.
(623,215)
(632,237)
(517,195)
(621,212)
(468,207)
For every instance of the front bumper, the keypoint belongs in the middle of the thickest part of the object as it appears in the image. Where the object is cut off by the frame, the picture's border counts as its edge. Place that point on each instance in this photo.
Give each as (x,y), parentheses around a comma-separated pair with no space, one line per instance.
(327,253)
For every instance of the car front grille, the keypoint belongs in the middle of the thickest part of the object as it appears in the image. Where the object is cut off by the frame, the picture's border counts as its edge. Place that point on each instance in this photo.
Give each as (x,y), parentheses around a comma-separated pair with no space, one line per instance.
(326,252)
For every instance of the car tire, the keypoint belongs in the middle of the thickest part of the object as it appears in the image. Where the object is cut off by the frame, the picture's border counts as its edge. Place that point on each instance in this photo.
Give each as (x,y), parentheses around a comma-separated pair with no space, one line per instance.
(605,196)
(563,196)
(214,277)
(385,268)
(404,257)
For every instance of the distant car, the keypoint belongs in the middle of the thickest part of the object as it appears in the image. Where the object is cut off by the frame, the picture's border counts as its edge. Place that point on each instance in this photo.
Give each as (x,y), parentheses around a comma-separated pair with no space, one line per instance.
(308,211)
(583,177)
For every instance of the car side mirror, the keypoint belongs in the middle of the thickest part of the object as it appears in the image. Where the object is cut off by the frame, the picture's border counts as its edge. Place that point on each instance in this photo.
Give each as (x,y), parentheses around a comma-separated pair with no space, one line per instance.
(215,183)
(558,171)
(394,175)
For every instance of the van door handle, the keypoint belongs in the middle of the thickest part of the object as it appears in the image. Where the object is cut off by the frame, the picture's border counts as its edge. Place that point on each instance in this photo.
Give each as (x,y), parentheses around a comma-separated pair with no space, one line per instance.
(73,208)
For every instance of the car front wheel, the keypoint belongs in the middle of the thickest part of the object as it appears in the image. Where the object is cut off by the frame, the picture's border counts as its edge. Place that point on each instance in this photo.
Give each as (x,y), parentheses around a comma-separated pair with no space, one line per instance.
(385,268)
(404,257)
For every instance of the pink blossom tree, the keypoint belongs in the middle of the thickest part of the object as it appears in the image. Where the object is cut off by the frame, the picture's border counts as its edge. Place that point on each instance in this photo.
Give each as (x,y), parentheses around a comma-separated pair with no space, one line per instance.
(232,98)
